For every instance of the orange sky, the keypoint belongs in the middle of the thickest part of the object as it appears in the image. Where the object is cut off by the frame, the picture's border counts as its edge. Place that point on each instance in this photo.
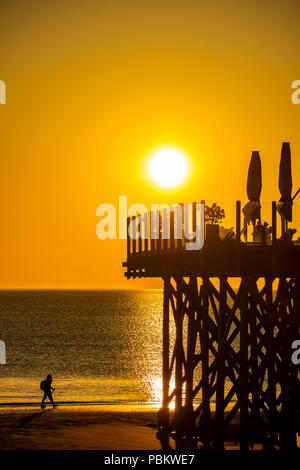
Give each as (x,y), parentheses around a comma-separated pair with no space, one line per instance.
(94,86)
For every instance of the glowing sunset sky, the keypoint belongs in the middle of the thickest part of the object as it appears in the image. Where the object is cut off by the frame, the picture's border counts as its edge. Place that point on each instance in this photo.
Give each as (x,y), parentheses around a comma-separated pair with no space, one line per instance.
(93,87)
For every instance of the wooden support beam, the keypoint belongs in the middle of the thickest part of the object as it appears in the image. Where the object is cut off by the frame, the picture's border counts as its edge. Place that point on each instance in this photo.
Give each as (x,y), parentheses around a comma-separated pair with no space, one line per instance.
(128,237)
(194,221)
(146,232)
(180,241)
(140,229)
(271,372)
(172,230)
(274,223)
(151,231)
(243,378)
(191,333)
(165,229)
(238,222)
(205,429)
(178,346)
(220,405)
(159,241)
(166,344)
(133,234)
(253,361)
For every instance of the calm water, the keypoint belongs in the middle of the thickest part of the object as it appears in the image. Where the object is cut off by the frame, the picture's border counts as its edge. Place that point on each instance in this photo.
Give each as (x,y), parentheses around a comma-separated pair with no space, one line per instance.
(102,346)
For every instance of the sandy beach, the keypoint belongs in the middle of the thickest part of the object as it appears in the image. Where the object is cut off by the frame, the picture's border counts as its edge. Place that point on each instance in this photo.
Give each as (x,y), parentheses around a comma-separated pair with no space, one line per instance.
(84,427)
(77,428)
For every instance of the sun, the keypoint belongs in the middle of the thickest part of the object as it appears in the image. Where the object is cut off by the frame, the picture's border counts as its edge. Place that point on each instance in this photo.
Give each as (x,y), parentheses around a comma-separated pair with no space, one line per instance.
(168,168)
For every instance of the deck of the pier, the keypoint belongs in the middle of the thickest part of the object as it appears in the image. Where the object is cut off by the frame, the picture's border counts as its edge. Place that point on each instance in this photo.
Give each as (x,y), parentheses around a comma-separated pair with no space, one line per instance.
(222,259)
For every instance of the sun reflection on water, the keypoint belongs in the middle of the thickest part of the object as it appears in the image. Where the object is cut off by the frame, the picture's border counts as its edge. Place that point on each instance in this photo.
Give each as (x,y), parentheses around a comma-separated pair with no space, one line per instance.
(157,391)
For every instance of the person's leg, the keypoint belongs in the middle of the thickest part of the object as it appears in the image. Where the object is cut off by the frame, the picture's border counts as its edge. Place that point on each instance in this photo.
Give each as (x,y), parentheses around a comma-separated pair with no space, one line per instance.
(51,399)
(43,400)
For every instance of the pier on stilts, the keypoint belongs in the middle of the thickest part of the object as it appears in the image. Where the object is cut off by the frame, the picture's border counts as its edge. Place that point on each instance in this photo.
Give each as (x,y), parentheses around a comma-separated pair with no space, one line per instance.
(235,307)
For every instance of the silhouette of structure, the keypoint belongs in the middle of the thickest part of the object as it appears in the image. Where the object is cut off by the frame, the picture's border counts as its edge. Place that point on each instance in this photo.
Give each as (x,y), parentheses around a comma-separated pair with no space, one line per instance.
(231,358)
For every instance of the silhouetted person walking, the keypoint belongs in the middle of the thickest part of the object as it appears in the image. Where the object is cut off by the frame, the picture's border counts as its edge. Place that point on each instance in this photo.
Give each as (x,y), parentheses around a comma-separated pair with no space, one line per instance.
(47,389)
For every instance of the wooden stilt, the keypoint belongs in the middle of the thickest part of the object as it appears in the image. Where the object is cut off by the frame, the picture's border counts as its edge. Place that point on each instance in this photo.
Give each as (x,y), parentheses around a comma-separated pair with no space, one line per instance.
(243,379)
(166,347)
(219,417)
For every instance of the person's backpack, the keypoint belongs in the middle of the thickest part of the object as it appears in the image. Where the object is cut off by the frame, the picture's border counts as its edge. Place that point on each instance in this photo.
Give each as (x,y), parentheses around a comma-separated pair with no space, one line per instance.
(43,385)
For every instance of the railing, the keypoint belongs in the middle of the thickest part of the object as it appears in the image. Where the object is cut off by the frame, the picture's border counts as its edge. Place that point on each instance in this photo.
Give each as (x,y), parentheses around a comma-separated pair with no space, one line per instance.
(174,230)
(168,230)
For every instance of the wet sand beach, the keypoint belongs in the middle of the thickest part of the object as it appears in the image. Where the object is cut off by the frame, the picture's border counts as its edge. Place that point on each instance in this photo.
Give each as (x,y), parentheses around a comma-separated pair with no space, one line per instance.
(77,428)
(85,427)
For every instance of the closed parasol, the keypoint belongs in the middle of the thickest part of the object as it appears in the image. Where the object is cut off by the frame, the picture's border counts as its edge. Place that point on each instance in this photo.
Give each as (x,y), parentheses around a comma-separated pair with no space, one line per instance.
(285,185)
(251,210)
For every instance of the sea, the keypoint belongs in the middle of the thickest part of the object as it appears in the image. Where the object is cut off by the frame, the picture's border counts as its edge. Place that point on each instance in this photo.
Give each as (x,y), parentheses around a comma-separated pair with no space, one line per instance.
(99,346)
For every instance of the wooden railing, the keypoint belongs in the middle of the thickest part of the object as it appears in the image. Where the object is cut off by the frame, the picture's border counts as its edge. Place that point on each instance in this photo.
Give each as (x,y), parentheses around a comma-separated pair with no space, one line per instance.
(162,230)
(151,239)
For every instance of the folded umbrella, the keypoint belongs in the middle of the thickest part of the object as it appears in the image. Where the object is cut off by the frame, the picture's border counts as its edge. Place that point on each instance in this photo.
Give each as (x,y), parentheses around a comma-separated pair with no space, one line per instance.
(254,178)
(285,185)
(251,210)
